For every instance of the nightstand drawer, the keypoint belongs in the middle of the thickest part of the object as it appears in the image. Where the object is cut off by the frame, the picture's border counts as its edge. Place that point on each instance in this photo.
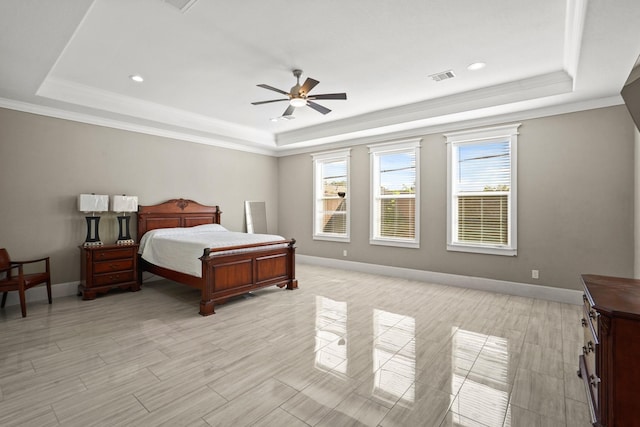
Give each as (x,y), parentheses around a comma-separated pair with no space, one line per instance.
(113,266)
(112,278)
(118,253)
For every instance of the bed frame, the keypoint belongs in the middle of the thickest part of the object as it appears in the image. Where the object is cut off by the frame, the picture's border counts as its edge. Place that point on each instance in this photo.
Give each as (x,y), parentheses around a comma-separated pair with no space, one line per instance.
(223,276)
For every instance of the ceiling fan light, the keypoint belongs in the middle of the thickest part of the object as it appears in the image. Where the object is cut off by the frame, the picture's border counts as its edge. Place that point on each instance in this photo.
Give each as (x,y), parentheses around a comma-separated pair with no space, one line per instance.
(297,102)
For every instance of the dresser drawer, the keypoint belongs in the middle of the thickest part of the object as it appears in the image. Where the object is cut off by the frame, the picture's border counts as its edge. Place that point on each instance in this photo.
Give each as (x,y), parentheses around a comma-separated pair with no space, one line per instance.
(119,253)
(590,317)
(589,347)
(113,266)
(113,278)
(591,386)
(588,344)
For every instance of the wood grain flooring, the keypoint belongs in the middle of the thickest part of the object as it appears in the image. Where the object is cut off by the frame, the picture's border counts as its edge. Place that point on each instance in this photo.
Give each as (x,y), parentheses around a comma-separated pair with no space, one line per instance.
(346,349)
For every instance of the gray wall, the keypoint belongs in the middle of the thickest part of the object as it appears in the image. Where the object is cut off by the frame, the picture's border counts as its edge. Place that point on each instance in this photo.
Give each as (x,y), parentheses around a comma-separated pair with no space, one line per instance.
(46,162)
(575,205)
(575,194)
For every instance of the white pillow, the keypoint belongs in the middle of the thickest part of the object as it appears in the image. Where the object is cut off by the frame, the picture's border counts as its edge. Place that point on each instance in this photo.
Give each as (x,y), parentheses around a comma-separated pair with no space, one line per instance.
(209,227)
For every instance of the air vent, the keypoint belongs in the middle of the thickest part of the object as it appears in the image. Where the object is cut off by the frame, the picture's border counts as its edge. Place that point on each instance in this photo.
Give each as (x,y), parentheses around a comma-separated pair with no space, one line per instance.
(444,75)
(183,5)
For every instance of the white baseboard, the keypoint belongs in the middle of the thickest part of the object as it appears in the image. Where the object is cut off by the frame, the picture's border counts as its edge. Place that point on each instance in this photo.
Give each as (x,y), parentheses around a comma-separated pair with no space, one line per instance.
(549,293)
(39,293)
(58,290)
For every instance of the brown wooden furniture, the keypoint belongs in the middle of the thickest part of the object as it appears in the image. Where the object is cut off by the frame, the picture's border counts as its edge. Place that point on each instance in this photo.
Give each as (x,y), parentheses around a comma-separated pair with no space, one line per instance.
(21,282)
(223,276)
(106,267)
(610,363)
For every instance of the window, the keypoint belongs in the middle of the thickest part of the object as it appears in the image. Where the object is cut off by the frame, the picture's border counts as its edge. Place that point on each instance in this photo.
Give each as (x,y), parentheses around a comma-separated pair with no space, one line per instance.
(394,192)
(331,196)
(481,207)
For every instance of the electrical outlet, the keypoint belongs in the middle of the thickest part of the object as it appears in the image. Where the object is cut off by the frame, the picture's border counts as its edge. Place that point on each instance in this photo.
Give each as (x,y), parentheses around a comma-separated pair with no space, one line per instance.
(344,252)
(535,274)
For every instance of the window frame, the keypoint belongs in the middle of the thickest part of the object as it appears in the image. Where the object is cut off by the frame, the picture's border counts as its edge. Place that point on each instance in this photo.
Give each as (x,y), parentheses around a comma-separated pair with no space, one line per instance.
(505,133)
(327,157)
(411,145)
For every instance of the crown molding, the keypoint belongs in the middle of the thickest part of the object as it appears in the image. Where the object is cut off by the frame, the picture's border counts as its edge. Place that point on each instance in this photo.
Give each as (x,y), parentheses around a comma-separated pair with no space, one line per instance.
(457,125)
(132,127)
(447,124)
(346,142)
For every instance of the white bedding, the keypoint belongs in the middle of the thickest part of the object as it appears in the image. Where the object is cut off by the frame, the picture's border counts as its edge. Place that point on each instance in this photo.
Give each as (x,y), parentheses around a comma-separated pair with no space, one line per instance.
(180,249)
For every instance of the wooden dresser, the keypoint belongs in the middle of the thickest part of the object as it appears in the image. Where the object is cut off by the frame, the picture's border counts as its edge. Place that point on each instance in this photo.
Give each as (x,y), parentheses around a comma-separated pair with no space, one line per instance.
(610,360)
(106,267)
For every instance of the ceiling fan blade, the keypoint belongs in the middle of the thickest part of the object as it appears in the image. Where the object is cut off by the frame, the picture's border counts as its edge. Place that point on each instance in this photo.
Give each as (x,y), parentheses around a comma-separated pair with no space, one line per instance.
(275,89)
(319,108)
(267,102)
(329,96)
(289,111)
(308,85)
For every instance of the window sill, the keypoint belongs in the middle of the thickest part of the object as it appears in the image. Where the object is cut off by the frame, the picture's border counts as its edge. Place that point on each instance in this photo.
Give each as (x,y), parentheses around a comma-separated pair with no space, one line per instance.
(344,239)
(487,250)
(396,243)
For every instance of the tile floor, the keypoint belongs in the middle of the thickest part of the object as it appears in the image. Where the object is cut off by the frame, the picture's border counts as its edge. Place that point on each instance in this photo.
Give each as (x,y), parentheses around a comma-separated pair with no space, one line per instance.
(346,349)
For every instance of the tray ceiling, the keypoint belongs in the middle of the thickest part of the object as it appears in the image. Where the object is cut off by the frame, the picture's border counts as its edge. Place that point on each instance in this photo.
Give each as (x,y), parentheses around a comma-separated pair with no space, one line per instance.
(201,64)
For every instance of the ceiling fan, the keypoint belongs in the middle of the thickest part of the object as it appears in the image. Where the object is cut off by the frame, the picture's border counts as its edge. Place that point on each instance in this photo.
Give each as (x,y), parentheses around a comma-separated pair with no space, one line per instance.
(299,96)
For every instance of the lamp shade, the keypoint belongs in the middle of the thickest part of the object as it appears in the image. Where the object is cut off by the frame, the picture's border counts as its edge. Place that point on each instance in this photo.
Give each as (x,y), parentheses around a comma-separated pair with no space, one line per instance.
(124,203)
(93,203)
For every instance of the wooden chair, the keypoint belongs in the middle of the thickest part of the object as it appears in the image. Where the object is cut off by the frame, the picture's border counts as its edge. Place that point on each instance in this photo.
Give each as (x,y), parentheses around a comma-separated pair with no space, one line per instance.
(21,282)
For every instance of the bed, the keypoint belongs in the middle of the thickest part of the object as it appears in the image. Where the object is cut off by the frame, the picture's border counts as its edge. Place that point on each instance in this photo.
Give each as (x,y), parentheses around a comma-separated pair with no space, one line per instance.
(224,271)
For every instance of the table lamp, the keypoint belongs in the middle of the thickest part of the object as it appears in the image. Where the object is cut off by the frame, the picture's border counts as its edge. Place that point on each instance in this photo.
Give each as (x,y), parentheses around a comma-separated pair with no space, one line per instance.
(124,204)
(92,203)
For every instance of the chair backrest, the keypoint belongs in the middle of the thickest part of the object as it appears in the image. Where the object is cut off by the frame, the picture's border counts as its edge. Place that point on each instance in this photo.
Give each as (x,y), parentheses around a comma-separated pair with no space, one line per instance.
(5,261)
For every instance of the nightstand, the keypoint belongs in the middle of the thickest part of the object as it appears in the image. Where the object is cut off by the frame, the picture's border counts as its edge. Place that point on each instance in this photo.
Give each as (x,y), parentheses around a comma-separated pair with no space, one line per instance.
(106,267)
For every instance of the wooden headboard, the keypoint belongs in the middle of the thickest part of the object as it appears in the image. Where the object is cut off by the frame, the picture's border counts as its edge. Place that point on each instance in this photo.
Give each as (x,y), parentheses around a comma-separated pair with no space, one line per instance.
(176,213)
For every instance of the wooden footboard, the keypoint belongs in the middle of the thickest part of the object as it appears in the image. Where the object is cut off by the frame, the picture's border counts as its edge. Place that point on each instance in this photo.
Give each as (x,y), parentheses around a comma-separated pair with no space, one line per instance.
(227,275)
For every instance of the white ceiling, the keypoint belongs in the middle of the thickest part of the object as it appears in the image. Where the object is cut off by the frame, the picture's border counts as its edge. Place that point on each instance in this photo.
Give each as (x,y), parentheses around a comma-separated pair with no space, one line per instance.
(73,58)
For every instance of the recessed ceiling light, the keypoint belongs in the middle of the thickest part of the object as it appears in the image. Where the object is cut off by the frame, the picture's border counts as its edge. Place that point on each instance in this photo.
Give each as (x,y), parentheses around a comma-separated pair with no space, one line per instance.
(136,78)
(476,66)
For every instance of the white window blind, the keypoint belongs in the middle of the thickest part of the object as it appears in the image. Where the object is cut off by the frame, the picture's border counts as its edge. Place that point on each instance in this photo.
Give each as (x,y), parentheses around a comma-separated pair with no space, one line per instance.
(483,219)
(482,190)
(483,185)
(394,181)
(331,188)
